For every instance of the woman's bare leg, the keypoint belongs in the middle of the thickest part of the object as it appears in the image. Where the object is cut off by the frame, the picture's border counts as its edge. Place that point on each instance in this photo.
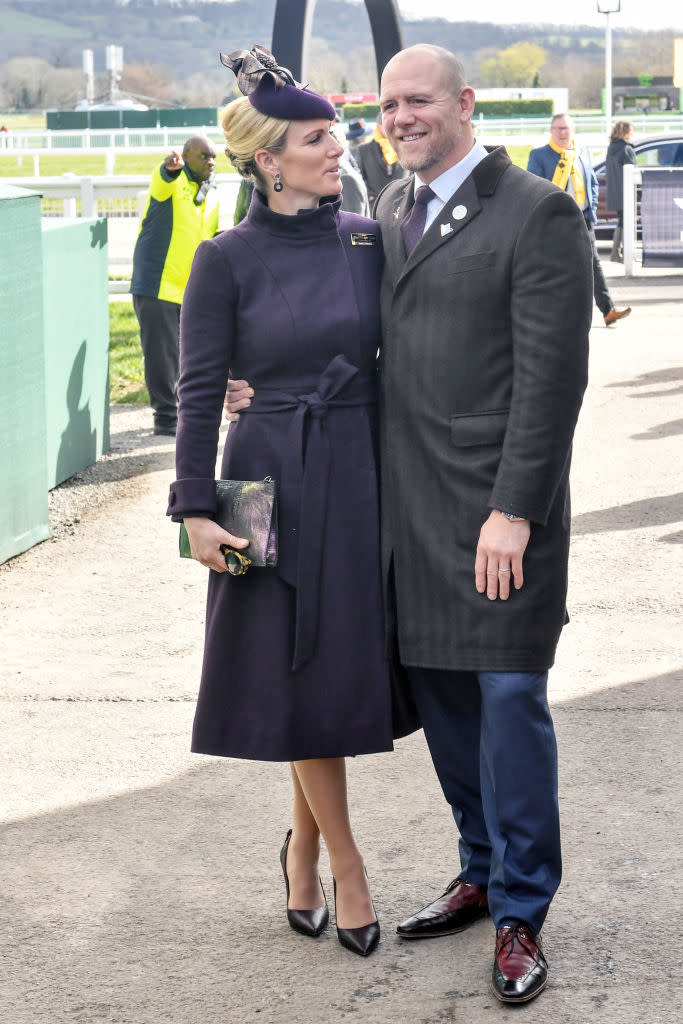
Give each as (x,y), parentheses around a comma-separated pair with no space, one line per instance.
(323,784)
(303,853)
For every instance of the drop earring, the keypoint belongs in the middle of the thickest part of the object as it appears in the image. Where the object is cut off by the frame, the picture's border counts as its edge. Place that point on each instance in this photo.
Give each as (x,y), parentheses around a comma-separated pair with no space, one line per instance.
(277,184)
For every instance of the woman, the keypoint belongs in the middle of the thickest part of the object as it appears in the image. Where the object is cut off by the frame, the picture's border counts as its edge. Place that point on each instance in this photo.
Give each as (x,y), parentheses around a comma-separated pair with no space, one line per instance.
(619,152)
(293,666)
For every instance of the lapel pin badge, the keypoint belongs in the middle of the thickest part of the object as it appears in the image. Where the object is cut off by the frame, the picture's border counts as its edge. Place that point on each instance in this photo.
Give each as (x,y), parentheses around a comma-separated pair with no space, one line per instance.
(446,229)
(459,212)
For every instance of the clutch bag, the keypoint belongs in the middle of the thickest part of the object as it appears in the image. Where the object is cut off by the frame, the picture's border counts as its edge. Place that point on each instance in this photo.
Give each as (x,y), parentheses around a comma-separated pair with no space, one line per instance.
(245,508)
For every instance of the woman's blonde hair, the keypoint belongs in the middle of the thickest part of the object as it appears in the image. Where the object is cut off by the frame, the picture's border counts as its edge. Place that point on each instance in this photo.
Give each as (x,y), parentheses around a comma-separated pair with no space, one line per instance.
(621,130)
(246,131)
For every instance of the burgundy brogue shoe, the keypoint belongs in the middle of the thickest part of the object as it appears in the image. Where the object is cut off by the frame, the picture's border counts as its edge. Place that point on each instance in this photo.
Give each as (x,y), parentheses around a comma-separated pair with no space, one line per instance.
(520,970)
(461,905)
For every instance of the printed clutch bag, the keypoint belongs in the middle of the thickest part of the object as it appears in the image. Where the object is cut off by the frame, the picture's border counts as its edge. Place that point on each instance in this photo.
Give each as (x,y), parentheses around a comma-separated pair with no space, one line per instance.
(245,508)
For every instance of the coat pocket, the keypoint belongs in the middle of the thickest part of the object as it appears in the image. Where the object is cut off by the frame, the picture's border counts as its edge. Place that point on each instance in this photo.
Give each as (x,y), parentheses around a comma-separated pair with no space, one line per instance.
(475,261)
(479,428)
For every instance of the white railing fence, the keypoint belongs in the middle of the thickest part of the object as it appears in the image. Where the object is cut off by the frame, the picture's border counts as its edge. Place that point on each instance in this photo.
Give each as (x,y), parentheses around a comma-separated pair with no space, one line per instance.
(32,144)
(121,199)
(118,195)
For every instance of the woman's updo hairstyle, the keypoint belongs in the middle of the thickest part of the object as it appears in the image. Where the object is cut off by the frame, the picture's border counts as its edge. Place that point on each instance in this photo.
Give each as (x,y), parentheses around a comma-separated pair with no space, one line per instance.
(246,131)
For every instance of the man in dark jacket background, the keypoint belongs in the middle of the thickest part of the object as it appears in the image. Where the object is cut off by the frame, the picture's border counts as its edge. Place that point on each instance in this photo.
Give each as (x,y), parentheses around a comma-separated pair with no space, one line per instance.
(571,169)
(378,162)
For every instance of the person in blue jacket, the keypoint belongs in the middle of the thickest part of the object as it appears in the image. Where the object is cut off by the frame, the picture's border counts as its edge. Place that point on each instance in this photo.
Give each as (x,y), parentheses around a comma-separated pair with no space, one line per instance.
(570,168)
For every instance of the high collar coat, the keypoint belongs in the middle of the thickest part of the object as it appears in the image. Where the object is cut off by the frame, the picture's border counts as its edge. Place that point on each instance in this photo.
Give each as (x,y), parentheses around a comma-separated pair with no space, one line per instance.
(484,364)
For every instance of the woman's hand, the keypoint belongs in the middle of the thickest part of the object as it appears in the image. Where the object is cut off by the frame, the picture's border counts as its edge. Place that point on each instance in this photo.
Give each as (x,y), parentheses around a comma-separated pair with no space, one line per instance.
(206,538)
(238,396)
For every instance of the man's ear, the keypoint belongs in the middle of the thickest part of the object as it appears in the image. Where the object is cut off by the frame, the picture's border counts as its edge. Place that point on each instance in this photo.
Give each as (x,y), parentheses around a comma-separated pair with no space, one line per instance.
(466,101)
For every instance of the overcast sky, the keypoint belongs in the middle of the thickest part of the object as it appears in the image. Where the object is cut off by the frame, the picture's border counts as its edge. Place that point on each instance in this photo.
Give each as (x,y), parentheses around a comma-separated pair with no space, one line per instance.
(643,14)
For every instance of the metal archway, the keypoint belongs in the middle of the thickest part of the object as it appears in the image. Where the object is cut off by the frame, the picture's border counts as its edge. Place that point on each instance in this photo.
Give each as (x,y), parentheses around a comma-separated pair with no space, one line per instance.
(292,33)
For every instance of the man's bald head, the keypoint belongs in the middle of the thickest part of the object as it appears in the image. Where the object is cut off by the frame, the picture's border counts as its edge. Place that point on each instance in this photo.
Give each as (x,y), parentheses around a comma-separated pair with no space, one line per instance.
(454,77)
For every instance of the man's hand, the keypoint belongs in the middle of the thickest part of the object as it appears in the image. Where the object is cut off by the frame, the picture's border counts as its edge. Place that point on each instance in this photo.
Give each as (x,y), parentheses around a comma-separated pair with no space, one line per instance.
(238,396)
(500,551)
(206,538)
(174,161)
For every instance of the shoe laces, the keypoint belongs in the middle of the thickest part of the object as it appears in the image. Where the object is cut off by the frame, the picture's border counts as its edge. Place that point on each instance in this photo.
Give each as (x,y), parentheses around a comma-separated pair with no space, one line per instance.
(513,935)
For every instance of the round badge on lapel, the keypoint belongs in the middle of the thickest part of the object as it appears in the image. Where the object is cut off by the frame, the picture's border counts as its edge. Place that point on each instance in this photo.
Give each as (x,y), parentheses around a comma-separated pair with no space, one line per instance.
(459,212)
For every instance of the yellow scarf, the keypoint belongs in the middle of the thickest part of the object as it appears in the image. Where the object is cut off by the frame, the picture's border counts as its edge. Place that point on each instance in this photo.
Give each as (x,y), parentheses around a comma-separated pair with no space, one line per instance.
(567,166)
(388,153)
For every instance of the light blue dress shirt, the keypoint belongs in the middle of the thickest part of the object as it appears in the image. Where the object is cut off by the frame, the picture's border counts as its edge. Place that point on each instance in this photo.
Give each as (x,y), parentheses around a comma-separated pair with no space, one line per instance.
(450,181)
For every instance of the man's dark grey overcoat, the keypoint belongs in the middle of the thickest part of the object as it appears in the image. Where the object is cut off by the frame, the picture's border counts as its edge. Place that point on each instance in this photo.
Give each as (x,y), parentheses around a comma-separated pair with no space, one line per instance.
(484,365)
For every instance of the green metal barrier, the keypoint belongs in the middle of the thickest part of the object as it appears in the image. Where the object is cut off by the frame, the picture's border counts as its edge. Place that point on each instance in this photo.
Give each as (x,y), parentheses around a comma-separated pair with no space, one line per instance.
(54,360)
(23,456)
(76,302)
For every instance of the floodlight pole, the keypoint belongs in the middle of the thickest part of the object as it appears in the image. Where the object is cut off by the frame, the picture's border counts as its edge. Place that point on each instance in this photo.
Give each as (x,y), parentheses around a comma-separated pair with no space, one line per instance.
(608,73)
(608,8)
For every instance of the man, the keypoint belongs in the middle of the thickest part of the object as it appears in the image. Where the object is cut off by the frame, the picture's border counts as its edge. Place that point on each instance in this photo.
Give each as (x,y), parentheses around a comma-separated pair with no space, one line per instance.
(181,211)
(571,170)
(356,132)
(354,193)
(486,312)
(378,162)
(486,304)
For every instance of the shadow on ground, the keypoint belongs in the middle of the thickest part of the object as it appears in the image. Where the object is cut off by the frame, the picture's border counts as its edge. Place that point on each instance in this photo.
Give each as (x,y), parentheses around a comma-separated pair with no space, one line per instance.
(166,904)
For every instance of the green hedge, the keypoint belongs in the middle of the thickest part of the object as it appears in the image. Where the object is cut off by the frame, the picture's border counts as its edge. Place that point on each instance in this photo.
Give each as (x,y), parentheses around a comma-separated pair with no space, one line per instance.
(513,108)
(369,111)
(489,108)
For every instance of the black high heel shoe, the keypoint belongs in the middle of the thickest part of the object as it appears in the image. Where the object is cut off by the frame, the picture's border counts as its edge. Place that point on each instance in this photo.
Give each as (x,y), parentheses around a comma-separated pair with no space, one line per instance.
(306,922)
(361,940)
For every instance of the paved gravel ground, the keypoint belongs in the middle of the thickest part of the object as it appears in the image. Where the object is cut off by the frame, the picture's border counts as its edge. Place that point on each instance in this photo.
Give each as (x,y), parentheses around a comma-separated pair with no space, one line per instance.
(141,884)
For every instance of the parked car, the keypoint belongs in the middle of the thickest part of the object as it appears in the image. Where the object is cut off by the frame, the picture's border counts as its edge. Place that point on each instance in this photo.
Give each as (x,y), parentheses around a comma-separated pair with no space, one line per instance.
(653,151)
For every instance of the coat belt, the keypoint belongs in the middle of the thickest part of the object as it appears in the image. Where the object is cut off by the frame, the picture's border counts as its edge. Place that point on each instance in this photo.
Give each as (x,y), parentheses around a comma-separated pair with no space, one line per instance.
(304,485)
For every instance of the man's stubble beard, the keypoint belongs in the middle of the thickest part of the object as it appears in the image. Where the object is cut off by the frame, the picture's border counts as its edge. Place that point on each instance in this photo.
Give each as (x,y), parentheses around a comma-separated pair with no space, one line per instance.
(435,155)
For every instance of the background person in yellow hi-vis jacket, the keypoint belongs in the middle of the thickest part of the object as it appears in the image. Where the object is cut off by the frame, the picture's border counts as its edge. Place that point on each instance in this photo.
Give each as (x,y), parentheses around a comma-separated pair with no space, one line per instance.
(181,211)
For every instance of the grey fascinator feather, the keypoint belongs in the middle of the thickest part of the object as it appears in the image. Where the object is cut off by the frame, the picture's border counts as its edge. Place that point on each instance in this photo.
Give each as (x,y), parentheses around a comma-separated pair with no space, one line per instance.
(251,66)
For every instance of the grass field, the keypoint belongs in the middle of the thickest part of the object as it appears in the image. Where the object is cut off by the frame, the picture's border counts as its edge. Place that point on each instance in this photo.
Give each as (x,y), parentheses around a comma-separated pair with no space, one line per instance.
(32,119)
(519,154)
(126,370)
(55,164)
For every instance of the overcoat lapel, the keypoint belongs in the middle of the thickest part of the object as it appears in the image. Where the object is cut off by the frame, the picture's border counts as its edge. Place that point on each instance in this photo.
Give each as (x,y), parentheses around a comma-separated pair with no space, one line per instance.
(394,249)
(446,226)
(462,207)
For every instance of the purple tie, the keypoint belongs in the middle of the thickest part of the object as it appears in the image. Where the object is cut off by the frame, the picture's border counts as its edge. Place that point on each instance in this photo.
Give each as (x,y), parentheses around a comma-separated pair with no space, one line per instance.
(413,225)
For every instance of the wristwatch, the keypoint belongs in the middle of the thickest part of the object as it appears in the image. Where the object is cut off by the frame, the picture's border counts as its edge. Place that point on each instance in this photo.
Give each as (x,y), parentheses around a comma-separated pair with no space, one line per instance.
(512,518)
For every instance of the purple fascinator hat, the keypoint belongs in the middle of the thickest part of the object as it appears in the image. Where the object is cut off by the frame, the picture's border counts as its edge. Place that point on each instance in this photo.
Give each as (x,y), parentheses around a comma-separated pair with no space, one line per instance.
(272,89)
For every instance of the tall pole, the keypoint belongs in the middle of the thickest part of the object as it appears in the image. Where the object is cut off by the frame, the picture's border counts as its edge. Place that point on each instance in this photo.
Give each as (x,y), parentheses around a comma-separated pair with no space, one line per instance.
(608,74)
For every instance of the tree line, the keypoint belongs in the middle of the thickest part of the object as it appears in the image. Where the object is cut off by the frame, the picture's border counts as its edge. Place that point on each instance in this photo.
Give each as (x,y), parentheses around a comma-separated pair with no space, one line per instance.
(170,50)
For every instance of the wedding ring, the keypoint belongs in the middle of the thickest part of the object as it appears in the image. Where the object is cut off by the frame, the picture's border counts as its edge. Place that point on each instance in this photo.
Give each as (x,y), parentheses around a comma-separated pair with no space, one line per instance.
(505,570)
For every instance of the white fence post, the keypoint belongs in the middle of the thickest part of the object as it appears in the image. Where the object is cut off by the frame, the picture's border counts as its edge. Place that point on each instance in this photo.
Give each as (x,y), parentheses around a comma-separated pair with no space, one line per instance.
(632,178)
(88,204)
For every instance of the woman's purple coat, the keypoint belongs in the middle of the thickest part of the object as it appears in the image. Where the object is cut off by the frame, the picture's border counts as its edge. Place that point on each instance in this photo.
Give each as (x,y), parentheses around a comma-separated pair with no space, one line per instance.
(293,661)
